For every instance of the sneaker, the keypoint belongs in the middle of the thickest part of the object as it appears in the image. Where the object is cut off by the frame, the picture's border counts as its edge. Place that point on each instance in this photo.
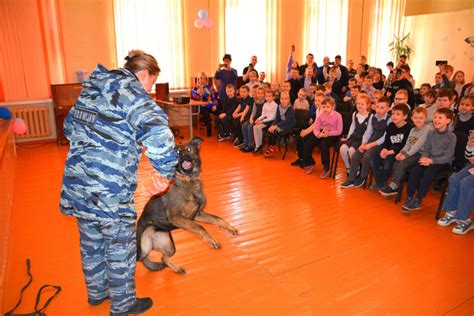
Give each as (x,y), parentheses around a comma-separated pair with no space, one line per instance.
(388,191)
(297,163)
(347,184)
(463,227)
(308,169)
(221,138)
(324,174)
(447,219)
(141,305)
(359,182)
(246,149)
(411,205)
(238,143)
(375,187)
(269,152)
(97,302)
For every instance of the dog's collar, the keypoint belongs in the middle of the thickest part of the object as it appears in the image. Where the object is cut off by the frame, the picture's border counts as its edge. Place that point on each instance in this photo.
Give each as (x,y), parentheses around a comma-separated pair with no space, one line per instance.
(184,177)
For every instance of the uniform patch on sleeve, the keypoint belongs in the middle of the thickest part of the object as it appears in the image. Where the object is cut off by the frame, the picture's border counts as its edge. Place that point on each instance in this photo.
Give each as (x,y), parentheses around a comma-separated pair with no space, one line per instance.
(84,115)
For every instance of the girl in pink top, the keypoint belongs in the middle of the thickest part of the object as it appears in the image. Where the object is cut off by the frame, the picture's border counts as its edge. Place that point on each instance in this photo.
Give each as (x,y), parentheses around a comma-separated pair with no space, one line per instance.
(325,132)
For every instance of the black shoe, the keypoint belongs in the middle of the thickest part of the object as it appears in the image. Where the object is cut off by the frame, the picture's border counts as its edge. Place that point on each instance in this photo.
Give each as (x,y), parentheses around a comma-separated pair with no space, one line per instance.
(141,305)
(257,149)
(359,182)
(297,163)
(388,191)
(97,302)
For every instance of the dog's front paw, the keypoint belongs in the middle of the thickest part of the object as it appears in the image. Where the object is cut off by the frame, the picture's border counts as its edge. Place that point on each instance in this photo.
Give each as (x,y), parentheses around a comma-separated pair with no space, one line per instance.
(181,271)
(233,231)
(214,244)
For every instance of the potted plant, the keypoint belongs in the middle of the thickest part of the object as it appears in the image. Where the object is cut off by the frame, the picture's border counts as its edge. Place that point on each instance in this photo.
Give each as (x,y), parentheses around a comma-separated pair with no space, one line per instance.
(399,47)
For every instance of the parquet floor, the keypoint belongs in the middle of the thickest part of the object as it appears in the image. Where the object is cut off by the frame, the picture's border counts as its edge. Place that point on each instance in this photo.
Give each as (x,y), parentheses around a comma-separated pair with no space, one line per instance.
(305,247)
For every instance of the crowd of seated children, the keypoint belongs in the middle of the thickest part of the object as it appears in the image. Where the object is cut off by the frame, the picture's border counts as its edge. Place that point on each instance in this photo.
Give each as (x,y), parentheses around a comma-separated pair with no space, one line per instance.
(239,115)
(372,139)
(381,135)
(410,153)
(223,120)
(460,198)
(282,125)
(325,132)
(266,119)
(437,156)
(396,135)
(360,120)
(253,112)
(204,92)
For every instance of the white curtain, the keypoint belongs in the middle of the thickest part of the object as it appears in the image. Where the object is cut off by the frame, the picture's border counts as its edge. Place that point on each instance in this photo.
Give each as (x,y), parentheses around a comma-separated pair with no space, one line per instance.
(325,29)
(155,26)
(250,29)
(388,20)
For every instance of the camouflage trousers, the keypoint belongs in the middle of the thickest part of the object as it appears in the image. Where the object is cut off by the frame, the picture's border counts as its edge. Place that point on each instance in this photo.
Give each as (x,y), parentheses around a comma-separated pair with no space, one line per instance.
(108,252)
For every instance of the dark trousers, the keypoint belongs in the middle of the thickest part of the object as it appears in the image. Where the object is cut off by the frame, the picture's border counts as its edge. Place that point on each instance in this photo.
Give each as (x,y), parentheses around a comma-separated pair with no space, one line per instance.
(421,177)
(401,167)
(223,125)
(382,168)
(367,156)
(309,142)
(206,117)
(237,129)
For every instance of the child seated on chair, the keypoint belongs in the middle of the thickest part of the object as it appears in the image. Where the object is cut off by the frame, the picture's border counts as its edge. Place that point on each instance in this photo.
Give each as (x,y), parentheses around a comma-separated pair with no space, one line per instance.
(249,119)
(463,123)
(349,103)
(437,157)
(396,136)
(460,198)
(282,125)
(325,132)
(410,153)
(276,91)
(262,122)
(301,102)
(377,95)
(223,120)
(360,120)
(239,115)
(372,139)
(443,101)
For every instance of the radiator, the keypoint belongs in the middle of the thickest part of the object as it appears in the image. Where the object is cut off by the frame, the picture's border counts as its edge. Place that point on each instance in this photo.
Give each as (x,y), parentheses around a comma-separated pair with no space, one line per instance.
(39,119)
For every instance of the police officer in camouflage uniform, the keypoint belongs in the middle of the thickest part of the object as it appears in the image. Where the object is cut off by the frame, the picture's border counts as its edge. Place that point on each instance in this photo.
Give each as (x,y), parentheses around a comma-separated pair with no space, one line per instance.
(111,121)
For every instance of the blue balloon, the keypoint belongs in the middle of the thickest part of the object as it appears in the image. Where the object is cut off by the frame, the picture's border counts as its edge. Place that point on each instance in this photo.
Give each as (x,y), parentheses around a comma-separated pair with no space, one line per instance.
(5,113)
(202,14)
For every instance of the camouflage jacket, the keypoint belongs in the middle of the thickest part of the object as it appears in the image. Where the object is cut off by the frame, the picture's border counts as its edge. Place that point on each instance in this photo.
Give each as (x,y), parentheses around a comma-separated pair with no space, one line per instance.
(110,123)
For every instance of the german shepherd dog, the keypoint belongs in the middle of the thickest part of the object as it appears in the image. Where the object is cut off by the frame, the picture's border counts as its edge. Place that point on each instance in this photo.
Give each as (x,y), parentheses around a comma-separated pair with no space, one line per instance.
(179,207)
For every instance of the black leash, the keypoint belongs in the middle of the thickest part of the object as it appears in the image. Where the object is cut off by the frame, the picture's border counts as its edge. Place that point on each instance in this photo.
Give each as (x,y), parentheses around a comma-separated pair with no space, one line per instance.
(40,311)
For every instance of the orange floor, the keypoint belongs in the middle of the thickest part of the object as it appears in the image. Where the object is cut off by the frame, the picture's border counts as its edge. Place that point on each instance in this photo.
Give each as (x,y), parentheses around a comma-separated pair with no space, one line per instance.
(305,247)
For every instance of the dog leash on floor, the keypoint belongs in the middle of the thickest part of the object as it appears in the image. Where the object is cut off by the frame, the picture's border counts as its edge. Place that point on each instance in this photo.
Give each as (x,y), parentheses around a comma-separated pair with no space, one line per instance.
(38,311)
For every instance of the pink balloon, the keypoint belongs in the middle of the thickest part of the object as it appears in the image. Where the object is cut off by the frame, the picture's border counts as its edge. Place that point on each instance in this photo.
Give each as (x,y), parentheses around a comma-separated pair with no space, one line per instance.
(19,127)
(208,22)
(198,23)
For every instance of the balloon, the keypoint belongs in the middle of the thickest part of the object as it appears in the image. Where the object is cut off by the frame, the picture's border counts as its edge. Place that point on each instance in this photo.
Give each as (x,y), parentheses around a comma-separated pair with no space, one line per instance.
(202,14)
(5,113)
(19,126)
(208,22)
(198,23)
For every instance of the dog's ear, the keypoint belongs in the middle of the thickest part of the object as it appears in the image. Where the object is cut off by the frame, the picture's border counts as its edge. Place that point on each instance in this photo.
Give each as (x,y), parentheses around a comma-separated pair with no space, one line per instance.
(197,141)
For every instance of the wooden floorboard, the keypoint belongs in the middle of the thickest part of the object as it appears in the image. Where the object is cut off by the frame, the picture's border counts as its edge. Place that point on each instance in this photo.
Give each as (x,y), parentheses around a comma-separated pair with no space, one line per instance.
(306,247)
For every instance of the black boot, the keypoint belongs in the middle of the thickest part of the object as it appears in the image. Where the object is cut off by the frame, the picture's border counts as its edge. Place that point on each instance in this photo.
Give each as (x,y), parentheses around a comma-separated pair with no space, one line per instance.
(141,305)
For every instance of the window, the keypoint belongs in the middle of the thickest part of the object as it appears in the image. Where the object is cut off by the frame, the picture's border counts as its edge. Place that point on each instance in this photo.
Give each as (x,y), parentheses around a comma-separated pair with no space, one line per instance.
(155,26)
(326,29)
(250,29)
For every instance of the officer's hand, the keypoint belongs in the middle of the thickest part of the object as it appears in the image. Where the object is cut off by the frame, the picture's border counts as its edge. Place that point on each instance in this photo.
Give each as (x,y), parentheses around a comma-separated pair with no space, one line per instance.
(158,185)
